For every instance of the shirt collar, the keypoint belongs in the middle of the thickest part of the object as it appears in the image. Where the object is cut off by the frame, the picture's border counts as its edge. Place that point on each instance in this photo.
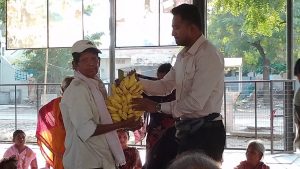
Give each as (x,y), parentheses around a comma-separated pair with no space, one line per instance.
(192,51)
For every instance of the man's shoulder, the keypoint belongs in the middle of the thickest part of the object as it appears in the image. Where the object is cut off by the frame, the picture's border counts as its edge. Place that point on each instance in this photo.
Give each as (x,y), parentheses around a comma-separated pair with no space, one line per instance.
(77,87)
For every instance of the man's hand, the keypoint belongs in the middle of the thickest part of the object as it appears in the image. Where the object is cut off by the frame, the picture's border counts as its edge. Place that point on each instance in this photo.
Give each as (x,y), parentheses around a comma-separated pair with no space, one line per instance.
(144,104)
(132,124)
(133,72)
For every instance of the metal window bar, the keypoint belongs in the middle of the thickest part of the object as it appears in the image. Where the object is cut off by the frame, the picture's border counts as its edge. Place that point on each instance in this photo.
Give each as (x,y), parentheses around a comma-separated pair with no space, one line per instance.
(246,115)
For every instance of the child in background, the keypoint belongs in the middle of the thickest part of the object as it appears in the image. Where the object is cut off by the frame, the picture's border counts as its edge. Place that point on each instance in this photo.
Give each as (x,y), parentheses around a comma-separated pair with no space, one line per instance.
(25,156)
(254,154)
(133,160)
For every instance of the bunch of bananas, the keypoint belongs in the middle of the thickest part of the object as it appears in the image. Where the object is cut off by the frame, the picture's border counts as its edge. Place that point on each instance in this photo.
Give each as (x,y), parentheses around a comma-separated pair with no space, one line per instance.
(119,103)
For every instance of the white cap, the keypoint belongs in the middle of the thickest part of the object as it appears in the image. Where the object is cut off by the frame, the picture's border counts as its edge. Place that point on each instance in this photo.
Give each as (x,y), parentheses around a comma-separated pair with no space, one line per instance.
(82,45)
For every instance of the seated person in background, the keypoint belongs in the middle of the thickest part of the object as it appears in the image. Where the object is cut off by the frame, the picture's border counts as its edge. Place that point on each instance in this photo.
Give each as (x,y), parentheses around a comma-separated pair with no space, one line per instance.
(193,160)
(160,141)
(159,122)
(50,125)
(25,156)
(254,154)
(132,156)
(9,163)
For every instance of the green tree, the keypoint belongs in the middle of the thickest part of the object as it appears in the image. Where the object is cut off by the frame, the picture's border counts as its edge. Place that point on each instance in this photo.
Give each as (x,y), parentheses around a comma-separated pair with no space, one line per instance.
(59,62)
(254,30)
(2,16)
(59,59)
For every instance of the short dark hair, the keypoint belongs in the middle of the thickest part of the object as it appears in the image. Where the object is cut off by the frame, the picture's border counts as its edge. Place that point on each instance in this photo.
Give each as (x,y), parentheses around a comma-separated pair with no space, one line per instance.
(297,67)
(17,132)
(9,163)
(66,82)
(188,13)
(164,68)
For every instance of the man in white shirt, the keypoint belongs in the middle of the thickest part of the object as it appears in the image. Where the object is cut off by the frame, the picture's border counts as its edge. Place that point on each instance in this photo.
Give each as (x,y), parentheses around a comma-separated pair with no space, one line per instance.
(91,140)
(198,77)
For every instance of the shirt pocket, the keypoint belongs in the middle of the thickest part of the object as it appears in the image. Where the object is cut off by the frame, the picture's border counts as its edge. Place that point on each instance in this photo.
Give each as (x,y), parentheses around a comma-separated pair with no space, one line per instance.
(189,75)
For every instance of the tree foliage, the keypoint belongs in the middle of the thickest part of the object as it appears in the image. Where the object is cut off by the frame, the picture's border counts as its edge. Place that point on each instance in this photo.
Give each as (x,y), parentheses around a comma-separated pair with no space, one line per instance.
(251,29)
(59,59)
(59,64)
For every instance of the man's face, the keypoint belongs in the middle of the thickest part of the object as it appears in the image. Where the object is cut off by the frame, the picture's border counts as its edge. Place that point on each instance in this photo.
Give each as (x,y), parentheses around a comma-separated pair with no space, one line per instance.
(181,31)
(88,64)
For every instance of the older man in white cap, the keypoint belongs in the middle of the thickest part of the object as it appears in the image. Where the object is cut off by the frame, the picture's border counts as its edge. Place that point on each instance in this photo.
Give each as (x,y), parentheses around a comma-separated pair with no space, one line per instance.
(91,140)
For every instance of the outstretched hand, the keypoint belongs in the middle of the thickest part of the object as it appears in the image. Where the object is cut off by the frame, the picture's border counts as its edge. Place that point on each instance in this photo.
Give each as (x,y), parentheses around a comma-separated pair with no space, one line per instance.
(144,104)
(133,72)
(133,124)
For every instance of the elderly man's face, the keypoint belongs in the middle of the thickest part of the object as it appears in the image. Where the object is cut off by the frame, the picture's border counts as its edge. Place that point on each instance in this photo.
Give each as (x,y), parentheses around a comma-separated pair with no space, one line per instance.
(88,64)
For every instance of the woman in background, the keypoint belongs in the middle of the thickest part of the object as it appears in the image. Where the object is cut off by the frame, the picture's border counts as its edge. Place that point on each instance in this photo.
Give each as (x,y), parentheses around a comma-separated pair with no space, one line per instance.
(132,156)
(254,154)
(25,156)
(50,125)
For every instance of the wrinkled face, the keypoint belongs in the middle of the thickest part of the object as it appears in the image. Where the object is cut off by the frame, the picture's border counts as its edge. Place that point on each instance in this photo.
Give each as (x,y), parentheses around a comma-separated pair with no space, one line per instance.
(19,140)
(88,64)
(123,137)
(181,31)
(253,156)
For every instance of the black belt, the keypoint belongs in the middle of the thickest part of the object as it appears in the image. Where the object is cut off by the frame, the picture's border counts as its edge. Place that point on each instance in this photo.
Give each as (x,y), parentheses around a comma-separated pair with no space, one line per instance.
(190,126)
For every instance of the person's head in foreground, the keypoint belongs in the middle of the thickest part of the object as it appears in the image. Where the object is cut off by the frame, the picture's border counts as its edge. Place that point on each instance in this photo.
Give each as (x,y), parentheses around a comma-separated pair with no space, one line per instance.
(9,163)
(255,152)
(193,160)
(85,58)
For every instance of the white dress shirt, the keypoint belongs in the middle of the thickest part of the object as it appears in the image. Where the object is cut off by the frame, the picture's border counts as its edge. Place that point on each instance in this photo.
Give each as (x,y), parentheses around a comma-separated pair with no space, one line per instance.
(198,77)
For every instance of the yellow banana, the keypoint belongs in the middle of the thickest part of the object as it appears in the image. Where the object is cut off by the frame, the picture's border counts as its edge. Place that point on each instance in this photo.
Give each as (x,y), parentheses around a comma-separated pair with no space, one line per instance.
(132,80)
(113,89)
(130,111)
(138,113)
(125,109)
(128,97)
(138,89)
(112,109)
(124,98)
(130,115)
(124,90)
(126,81)
(116,104)
(119,91)
(133,87)
(122,114)
(115,117)
(117,98)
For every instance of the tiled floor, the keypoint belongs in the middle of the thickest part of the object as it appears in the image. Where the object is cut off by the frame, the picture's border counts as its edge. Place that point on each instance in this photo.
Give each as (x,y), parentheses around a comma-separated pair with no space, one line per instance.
(231,158)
